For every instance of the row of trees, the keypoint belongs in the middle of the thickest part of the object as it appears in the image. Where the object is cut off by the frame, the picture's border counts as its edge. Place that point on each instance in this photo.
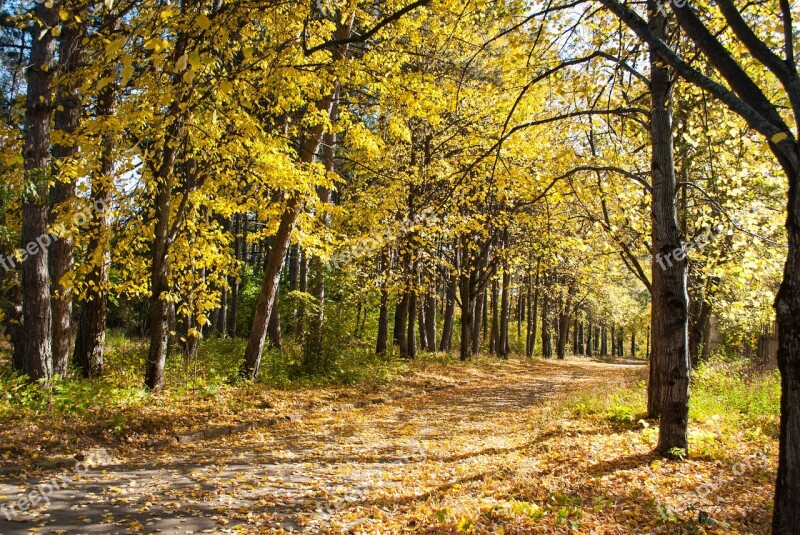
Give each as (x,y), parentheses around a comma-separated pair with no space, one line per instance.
(458,182)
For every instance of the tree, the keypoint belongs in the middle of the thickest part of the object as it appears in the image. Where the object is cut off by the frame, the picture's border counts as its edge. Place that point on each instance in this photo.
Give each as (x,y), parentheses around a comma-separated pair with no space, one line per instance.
(746,94)
(36,304)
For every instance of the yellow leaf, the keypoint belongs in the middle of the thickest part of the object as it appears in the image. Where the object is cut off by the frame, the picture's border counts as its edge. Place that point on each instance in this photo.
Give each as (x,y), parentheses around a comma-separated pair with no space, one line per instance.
(203,22)
(180,65)
(115,46)
(780,136)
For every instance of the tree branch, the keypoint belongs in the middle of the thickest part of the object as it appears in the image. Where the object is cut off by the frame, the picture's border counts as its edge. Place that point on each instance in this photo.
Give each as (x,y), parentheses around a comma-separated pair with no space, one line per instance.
(369,33)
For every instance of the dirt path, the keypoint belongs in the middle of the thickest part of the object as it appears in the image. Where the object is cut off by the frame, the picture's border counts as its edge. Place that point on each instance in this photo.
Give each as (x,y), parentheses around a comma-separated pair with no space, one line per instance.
(354,470)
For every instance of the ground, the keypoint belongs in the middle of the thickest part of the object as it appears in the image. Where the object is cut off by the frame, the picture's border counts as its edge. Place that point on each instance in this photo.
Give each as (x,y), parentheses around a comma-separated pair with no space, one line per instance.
(493,452)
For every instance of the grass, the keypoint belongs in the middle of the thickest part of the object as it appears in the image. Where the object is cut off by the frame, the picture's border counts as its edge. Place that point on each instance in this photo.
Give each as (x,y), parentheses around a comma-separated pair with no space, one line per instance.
(725,396)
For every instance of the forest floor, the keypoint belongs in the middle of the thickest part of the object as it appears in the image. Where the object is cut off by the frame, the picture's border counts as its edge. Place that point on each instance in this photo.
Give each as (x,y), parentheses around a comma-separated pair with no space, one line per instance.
(518,446)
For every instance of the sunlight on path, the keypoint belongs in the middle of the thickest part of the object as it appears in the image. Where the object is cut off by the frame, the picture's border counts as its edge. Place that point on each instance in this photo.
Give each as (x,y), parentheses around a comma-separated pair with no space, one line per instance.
(346,471)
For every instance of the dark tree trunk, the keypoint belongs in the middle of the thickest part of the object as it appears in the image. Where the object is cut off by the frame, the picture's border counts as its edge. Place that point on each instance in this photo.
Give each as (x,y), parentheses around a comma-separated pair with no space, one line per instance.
(494,332)
(423,334)
(412,321)
(160,267)
(503,345)
(383,323)
(563,331)
(533,311)
(12,309)
(467,310)
(430,320)
(669,298)
(398,332)
(466,331)
(300,323)
(449,314)
(603,341)
(66,121)
(786,519)
(159,275)
(480,302)
(401,323)
(590,338)
(699,321)
(274,328)
(36,305)
(575,328)
(547,347)
(614,339)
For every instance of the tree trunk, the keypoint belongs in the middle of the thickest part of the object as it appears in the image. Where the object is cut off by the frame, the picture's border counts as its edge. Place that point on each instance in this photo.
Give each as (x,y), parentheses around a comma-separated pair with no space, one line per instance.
(590,338)
(575,328)
(383,323)
(786,518)
(563,331)
(274,328)
(294,282)
(547,347)
(234,281)
(480,303)
(160,267)
(503,347)
(423,333)
(494,332)
(36,305)
(66,121)
(313,342)
(467,308)
(603,341)
(533,311)
(699,323)
(669,298)
(222,317)
(412,321)
(614,338)
(159,275)
(280,242)
(449,313)
(430,320)
(401,324)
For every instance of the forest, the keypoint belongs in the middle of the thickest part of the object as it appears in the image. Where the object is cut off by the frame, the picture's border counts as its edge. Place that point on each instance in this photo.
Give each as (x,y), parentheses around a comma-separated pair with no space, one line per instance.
(380,266)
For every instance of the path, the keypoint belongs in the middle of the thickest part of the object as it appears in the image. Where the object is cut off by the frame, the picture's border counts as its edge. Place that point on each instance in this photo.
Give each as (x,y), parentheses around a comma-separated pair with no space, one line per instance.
(329,472)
